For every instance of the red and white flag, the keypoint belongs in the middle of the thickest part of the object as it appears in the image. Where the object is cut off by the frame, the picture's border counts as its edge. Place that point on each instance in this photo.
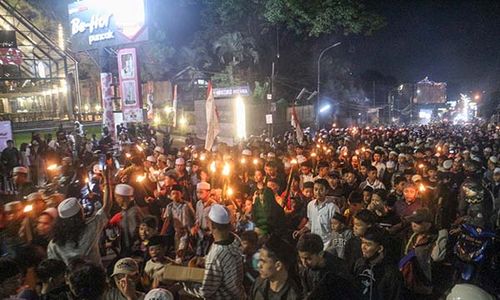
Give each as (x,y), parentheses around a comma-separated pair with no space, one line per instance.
(212,119)
(296,124)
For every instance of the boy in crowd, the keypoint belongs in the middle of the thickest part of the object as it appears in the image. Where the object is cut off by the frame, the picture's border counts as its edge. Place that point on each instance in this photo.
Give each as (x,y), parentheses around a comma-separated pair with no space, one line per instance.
(363,220)
(324,276)
(319,213)
(147,229)
(340,235)
(156,265)
(377,276)
(51,273)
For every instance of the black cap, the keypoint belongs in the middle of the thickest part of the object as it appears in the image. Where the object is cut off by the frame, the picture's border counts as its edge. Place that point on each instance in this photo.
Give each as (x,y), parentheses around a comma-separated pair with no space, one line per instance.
(157,240)
(177,187)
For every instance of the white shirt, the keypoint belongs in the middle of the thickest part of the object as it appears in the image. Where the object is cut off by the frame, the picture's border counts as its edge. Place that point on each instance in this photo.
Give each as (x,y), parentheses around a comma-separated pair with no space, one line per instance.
(88,245)
(320,216)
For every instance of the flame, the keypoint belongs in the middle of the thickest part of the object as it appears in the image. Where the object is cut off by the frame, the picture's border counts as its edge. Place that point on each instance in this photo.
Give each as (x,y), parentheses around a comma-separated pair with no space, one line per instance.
(52,167)
(226,169)
(141,178)
(28,208)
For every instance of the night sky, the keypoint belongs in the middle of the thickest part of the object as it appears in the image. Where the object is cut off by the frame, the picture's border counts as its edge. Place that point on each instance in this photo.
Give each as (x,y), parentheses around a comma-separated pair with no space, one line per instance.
(457,42)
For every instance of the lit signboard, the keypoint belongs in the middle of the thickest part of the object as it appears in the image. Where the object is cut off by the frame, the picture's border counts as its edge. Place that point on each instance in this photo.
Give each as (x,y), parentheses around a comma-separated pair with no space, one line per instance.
(96,23)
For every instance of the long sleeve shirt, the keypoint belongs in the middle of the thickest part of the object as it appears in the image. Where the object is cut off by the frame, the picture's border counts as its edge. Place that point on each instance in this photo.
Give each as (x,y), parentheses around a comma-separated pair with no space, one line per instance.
(223,273)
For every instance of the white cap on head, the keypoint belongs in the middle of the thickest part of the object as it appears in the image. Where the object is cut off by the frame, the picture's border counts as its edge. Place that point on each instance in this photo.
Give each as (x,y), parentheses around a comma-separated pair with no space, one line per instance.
(487,149)
(447,164)
(159,149)
(390,164)
(22,170)
(180,161)
(271,155)
(124,190)
(301,159)
(402,155)
(493,159)
(151,158)
(159,294)
(11,206)
(466,291)
(246,152)
(393,153)
(496,171)
(69,208)
(203,185)
(416,178)
(219,214)
(97,169)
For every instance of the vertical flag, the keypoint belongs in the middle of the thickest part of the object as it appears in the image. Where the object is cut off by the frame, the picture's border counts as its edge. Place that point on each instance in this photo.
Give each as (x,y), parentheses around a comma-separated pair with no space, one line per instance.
(296,124)
(212,119)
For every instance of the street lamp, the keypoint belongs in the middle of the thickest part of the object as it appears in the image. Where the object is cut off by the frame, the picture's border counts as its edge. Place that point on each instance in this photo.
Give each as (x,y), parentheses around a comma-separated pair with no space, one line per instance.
(319,78)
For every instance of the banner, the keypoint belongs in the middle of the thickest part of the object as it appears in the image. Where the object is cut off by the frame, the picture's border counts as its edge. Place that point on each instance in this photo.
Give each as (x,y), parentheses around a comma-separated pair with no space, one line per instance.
(150,101)
(129,85)
(5,133)
(296,124)
(107,103)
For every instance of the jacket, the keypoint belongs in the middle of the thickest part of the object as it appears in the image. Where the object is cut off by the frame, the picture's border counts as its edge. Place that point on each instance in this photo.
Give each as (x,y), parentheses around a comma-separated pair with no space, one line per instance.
(261,291)
(377,281)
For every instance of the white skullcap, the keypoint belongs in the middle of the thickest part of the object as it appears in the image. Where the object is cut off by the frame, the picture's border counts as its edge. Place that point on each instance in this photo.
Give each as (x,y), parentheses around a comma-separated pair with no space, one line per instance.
(124,190)
(69,208)
(390,164)
(393,153)
(447,164)
(97,169)
(301,159)
(271,155)
(496,171)
(180,161)
(159,149)
(159,294)
(22,170)
(218,214)
(246,152)
(203,185)
(402,155)
(151,158)
(494,159)
(487,149)
(416,178)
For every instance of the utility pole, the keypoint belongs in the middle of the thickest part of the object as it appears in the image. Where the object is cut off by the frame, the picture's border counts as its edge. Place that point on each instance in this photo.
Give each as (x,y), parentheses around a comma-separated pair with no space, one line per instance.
(316,109)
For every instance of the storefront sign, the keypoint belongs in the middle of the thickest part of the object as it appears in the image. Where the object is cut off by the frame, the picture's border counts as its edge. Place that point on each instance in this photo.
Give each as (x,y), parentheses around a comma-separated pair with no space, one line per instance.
(96,24)
(232,91)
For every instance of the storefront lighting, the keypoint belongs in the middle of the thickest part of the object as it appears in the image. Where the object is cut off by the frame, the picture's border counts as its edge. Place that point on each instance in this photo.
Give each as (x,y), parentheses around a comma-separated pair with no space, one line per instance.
(241,128)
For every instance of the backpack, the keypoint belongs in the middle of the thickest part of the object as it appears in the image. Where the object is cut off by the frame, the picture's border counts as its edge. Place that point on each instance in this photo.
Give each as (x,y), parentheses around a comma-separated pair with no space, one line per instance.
(413,277)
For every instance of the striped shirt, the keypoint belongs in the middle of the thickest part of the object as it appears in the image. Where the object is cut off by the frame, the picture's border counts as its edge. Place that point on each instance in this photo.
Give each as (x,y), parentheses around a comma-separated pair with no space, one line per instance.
(223,272)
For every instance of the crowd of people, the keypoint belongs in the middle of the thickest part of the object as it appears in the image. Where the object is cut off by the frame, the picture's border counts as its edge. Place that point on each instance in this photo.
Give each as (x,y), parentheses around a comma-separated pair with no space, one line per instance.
(347,213)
